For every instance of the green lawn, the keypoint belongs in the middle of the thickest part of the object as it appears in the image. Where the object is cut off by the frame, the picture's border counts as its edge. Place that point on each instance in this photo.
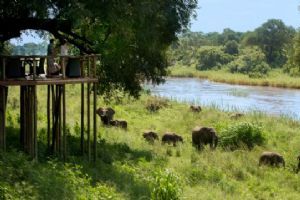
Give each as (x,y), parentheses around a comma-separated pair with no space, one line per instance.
(130,168)
(275,78)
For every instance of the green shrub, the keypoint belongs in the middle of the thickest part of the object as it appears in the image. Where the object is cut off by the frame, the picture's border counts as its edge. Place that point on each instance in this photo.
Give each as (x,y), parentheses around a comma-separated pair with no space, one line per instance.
(212,57)
(240,135)
(251,62)
(231,47)
(166,186)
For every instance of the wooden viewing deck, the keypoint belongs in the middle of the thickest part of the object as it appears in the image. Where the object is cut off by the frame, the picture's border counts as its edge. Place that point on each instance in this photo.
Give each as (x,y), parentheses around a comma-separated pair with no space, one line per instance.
(56,103)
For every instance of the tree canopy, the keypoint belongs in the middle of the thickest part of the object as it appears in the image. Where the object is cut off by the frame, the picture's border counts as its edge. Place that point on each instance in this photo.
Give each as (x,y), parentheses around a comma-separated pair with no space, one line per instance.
(131,36)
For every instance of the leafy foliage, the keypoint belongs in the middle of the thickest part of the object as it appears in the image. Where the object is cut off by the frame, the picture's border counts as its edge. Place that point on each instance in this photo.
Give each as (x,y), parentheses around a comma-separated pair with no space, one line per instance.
(131,36)
(272,37)
(251,62)
(293,65)
(231,47)
(212,57)
(166,186)
(236,136)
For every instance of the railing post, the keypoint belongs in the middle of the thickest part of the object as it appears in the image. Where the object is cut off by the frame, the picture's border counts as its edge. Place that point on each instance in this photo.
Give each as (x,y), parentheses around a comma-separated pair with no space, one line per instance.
(34,68)
(94,66)
(3,69)
(63,66)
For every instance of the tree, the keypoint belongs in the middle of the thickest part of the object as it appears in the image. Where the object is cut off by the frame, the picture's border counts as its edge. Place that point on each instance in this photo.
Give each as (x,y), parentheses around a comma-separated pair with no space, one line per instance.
(212,57)
(231,47)
(272,37)
(251,62)
(131,36)
(293,64)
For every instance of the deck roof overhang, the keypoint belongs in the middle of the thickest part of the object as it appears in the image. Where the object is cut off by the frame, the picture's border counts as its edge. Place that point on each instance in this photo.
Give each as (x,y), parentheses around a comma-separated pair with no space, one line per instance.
(61,29)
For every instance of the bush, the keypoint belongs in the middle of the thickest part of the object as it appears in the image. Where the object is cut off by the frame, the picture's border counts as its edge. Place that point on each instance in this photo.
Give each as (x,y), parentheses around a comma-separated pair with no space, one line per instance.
(240,135)
(231,47)
(212,57)
(166,186)
(251,62)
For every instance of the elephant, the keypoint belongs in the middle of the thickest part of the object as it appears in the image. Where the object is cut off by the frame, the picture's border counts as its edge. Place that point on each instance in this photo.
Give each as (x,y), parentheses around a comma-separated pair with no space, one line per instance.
(150,136)
(195,108)
(271,158)
(106,115)
(236,115)
(204,135)
(119,123)
(298,168)
(171,138)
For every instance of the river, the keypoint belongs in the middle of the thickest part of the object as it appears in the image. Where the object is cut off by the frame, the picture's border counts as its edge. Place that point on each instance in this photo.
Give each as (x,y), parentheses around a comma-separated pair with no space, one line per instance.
(269,100)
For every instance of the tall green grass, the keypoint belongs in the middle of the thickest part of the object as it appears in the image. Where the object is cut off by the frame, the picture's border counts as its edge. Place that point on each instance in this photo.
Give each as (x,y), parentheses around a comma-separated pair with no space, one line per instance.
(276,78)
(128,167)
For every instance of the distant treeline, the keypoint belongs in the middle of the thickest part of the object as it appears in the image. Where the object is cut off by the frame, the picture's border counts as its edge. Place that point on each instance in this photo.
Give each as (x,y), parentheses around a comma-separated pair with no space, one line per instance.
(29,49)
(272,45)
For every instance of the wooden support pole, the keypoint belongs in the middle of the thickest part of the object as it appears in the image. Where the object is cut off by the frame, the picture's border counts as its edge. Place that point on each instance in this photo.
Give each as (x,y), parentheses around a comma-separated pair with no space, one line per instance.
(59,119)
(82,121)
(22,120)
(29,121)
(3,93)
(53,147)
(64,123)
(88,122)
(34,96)
(95,121)
(48,116)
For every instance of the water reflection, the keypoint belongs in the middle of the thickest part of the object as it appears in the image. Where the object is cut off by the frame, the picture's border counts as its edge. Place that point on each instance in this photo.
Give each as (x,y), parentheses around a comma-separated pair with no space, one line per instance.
(267,99)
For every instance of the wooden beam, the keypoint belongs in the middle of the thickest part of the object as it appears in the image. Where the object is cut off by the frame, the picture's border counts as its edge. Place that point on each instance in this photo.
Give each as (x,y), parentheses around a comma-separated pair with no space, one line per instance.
(82,121)
(95,121)
(64,123)
(89,122)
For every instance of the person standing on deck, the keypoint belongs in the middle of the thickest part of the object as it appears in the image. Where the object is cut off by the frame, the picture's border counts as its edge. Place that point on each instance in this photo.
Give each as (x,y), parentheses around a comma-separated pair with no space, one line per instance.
(64,51)
(52,67)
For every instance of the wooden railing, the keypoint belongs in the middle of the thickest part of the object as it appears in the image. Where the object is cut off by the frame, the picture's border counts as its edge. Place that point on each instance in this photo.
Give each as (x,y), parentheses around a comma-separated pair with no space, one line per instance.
(88,65)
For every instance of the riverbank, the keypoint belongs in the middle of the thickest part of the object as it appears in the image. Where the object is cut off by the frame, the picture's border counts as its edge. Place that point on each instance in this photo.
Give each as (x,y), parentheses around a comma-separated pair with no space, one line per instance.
(130,168)
(275,78)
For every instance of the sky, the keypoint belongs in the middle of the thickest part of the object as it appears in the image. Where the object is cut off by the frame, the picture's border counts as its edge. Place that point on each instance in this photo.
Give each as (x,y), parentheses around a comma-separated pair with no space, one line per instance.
(244,15)
(238,15)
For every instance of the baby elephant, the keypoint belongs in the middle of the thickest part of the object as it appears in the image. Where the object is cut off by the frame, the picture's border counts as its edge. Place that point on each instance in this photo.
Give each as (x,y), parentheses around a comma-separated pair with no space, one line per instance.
(171,138)
(298,168)
(106,115)
(203,135)
(236,115)
(119,123)
(195,108)
(271,158)
(150,136)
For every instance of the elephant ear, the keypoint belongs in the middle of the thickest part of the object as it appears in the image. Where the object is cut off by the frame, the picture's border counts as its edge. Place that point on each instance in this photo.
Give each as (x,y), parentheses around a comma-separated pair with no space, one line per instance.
(110,111)
(100,111)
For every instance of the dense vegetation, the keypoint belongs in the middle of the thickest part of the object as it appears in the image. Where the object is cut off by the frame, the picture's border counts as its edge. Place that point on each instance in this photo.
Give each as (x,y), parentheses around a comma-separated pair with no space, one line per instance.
(131,36)
(130,168)
(272,46)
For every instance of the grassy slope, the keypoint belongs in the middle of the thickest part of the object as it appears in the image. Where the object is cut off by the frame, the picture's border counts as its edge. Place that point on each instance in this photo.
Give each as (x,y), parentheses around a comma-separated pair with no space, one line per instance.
(126,163)
(274,79)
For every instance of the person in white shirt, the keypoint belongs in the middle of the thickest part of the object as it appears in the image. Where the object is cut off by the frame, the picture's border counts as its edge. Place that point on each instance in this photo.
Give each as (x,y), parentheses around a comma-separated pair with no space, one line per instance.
(53,68)
(64,49)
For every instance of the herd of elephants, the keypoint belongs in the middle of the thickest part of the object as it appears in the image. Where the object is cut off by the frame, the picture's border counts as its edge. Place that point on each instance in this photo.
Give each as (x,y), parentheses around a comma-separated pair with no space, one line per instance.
(201,136)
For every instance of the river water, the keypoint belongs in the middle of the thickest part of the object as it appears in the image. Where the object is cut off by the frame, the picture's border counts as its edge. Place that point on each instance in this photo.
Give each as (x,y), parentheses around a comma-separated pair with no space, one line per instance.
(270,100)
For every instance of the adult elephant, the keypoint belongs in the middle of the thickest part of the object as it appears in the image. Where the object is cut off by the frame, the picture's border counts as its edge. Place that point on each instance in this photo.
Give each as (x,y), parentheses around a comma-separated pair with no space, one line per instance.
(204,135)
